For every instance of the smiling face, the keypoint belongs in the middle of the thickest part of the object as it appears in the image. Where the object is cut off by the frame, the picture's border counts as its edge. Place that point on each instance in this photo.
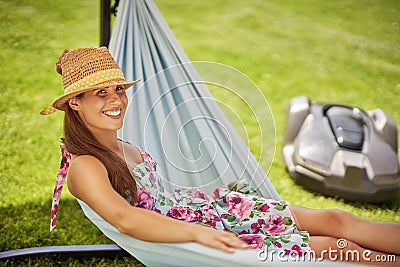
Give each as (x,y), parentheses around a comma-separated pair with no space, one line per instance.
(101,109)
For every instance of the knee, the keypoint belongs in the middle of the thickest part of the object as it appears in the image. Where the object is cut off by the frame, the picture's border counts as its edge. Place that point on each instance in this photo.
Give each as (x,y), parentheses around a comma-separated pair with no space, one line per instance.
(341,220)
(325,222)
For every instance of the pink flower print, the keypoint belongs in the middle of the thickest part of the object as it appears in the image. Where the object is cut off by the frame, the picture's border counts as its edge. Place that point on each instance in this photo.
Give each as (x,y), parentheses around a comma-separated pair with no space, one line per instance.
(150,161)
(54,211)
(219,192)
(151,175)
(53,221)
(255,227)
(240,207)
(184,214)
(66,157)
(264,207)
(57,193)
(255,241)
(208,211)
(196,193)
(295,250)
(177,212)
(62,171)
(278,245)
(145,200)
(211,223)
(58,189)
(273,225)
(243,232)
(192,215)
(157,211)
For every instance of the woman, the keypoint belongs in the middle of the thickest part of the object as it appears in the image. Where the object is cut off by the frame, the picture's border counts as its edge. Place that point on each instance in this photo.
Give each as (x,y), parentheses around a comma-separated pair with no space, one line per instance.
(127,193)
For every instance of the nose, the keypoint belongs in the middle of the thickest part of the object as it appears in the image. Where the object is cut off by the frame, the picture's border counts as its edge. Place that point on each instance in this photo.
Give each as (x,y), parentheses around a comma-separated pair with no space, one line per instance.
(115,98)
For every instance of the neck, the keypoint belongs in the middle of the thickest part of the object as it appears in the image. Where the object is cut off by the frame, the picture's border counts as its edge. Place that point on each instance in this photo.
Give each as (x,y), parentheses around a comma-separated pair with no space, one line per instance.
(109,140)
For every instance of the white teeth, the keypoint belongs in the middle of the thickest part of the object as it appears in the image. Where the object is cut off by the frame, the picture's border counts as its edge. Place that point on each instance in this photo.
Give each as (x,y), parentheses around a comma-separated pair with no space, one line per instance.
(112,112)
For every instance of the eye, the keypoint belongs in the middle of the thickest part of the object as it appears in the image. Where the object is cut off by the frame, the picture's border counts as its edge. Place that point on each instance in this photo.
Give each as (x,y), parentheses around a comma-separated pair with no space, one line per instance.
(101,92)
(120,90)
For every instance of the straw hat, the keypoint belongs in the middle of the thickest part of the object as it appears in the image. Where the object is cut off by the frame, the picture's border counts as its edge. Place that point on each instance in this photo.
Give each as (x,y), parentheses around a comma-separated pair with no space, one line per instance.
(85,69)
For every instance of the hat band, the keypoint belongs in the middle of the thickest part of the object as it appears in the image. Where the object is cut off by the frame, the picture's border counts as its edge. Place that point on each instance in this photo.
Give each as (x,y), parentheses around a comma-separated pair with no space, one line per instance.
(94,79)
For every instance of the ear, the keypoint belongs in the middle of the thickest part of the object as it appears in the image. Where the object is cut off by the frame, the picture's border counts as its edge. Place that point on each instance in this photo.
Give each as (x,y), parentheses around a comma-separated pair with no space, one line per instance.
(74,103)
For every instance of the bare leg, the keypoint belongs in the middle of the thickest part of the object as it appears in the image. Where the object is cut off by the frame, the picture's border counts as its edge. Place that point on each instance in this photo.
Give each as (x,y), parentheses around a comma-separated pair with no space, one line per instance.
(373,235)
(327,248)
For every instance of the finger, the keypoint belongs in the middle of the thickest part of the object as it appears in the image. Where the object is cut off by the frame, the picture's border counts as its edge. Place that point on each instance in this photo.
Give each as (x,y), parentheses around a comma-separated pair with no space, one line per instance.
(217,243)
(222,246)
(238,243)
(234,241)
(222,241)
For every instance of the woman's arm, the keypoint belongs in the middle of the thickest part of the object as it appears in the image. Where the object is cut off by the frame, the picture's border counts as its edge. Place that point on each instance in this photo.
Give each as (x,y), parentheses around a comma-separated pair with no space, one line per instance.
(88,181)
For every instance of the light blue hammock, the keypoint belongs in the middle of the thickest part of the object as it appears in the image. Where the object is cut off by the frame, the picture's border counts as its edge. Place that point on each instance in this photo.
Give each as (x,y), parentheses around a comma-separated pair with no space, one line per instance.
(173,116)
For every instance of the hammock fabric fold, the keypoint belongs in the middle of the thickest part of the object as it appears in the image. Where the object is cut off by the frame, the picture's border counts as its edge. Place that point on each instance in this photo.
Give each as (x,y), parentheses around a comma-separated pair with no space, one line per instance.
(172,114)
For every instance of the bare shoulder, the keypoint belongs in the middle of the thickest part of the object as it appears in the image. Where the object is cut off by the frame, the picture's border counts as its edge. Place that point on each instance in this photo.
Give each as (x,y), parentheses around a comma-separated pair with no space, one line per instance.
(83,164)
(84,172)
(88,181)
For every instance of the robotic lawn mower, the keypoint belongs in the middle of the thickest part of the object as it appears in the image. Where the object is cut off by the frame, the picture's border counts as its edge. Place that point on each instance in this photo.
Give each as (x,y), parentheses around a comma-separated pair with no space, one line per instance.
(342,151)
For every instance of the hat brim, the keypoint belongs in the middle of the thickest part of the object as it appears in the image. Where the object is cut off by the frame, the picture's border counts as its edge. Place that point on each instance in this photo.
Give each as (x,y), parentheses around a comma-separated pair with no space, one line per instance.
(61,102)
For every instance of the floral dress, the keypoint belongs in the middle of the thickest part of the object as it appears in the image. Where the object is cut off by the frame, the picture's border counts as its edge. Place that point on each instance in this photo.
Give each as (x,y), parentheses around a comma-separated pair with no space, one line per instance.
(234,207)
(262,223)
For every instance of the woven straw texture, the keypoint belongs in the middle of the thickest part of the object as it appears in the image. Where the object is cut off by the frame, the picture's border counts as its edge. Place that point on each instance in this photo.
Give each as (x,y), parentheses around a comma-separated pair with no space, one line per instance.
(83,62)
(85,69)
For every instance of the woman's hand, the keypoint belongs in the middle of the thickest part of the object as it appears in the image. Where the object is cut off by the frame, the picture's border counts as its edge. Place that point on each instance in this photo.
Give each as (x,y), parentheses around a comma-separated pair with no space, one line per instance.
(223,240)
(88,172)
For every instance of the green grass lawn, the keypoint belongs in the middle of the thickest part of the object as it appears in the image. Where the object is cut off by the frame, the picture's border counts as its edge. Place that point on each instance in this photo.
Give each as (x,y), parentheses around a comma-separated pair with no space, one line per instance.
(339,51)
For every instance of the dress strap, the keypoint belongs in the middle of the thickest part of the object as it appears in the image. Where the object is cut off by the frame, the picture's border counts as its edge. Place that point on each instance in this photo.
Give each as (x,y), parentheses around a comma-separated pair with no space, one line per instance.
(61,175)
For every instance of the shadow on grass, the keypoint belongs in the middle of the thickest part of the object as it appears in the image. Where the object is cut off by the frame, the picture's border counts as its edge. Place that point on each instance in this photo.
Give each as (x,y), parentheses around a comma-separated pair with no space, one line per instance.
(61,261)
(390,205)
(27,226)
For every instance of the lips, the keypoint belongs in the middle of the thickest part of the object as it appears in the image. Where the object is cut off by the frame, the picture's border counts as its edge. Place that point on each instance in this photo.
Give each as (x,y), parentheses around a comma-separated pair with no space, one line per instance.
(113,113)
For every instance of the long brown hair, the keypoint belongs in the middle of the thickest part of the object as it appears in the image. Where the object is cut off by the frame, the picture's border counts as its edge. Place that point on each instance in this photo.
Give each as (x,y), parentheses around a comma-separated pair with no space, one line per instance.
(79,140)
